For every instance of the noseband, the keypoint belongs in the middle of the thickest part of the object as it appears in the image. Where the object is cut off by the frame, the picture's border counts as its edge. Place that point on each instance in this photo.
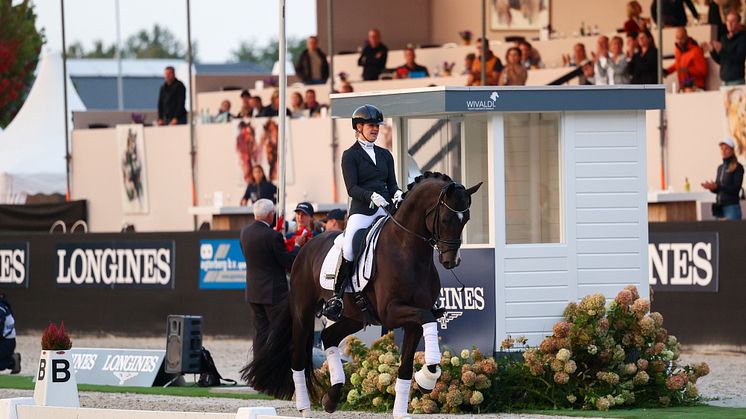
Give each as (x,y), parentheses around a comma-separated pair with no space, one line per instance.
(434,240)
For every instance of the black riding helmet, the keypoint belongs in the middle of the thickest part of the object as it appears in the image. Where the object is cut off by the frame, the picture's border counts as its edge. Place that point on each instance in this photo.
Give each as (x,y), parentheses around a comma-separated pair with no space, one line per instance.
(367,114)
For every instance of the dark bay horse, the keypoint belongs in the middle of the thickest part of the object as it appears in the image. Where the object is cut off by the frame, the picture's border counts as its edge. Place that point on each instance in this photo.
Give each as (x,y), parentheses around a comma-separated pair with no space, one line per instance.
(405,288)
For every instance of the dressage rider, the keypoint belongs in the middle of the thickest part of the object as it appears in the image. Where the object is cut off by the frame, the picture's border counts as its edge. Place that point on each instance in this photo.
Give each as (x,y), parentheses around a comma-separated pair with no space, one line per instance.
(368,171)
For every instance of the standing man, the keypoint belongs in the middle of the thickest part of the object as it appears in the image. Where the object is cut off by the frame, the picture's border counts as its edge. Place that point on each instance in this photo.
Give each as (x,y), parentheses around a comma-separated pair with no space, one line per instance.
(373,57)
(9,359)
(312,67)
(171,99)
(267,261)
(690,64)
(730,51)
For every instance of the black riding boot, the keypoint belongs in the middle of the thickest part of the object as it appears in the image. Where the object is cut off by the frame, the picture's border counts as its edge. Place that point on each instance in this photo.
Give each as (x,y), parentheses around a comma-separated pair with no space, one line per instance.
(333,308)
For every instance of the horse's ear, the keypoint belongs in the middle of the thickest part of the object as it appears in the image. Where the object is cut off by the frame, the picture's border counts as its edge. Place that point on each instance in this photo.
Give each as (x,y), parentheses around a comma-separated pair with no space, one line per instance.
(474,188)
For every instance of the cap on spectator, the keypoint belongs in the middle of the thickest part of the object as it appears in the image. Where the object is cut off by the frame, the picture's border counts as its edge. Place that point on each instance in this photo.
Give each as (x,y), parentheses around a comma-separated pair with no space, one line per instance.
(729,142)
(245,93)
(305,207)
(335,214)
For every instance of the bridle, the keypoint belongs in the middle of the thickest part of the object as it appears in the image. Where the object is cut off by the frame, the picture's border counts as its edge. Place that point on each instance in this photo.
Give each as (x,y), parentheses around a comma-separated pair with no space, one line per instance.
(435,240)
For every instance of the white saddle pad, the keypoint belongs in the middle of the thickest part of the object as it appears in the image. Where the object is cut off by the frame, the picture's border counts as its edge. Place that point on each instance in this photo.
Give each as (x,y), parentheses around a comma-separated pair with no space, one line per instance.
(364,271)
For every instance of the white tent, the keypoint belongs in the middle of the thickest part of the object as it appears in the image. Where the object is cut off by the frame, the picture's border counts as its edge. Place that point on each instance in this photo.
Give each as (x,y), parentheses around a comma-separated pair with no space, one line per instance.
(32,146)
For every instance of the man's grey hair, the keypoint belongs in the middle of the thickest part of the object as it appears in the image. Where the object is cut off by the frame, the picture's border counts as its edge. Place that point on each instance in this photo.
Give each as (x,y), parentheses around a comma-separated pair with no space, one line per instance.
(262,208)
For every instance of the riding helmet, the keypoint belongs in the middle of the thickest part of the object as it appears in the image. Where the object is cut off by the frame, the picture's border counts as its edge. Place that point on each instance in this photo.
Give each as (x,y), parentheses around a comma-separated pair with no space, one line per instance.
(367,114)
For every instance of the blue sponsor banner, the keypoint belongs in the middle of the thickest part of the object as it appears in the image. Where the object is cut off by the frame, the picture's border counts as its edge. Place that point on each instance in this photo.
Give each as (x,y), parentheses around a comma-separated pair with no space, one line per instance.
(221,265)
(14,259)
(469,318)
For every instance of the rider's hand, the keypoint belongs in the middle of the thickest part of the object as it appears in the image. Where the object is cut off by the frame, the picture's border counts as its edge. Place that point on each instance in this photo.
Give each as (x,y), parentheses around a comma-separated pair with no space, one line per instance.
(378,200)
(398,198)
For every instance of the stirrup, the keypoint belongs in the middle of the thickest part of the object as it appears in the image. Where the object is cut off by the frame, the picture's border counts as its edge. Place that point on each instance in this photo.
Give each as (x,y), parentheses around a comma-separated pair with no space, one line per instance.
(333,309)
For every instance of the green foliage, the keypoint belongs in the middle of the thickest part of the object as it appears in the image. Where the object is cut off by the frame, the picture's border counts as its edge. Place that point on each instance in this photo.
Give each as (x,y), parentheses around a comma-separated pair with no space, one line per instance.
(159,42)
(265,56)
(76,50)
(20,44)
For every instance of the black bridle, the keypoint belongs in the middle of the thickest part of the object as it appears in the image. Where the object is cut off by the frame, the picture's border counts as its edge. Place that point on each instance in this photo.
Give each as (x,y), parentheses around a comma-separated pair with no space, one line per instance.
(435,240)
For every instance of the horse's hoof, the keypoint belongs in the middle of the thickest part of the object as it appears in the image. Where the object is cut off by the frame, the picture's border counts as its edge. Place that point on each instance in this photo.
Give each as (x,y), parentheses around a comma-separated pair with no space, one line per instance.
(331,398)
(426,380)
(305,413)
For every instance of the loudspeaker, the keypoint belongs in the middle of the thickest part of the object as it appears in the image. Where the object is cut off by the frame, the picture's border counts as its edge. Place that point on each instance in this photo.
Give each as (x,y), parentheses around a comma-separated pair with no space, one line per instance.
(183,344)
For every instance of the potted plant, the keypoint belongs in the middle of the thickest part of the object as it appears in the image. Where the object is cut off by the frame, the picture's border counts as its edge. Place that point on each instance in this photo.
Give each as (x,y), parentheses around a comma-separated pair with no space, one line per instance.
(55,378)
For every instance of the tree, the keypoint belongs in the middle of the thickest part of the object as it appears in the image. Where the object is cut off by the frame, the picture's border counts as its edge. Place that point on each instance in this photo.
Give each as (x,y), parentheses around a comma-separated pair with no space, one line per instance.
(20,45)
(266,56)
(76,50)
(159,43)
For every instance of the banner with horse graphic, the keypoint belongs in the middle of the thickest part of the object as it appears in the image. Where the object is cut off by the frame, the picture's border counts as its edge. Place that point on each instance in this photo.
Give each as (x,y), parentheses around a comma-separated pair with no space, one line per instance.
(131,152)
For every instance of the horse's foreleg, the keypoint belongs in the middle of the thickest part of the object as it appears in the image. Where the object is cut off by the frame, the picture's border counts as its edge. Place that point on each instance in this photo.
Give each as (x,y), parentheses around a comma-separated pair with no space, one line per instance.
(412,337)
(302,340)
(331,336)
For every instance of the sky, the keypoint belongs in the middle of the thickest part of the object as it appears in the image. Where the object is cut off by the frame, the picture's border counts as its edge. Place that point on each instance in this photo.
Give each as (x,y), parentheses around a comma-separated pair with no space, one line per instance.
(218,26)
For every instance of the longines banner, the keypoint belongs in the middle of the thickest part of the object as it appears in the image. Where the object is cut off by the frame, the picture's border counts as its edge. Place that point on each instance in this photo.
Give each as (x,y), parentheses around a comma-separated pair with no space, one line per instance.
(469,318)
(117,367)
(683,262)
(120,264)
(14,260)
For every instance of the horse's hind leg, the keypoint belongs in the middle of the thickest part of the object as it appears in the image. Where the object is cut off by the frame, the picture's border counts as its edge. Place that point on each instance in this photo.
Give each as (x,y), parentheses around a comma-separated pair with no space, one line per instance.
(302,313)
(331,336)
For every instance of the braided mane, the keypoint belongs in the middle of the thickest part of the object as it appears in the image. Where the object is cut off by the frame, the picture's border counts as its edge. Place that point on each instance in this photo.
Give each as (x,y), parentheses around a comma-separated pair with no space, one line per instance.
(427,175)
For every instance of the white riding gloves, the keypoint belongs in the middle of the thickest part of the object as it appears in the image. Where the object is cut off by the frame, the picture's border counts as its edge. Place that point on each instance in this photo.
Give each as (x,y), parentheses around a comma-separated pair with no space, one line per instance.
(398,197)
(378,200)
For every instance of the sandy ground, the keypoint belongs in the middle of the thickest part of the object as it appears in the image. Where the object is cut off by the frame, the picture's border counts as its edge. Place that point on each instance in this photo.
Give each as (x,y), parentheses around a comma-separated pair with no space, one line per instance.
(726,382)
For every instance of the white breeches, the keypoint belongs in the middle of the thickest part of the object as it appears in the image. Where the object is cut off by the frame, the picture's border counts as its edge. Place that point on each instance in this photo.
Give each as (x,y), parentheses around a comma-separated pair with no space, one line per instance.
(355,223)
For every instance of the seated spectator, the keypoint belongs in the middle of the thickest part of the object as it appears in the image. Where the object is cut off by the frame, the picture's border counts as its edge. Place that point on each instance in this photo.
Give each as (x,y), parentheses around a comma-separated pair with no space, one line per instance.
(297,107)
(246,105)
(256,106)
(618,61)
(673,12)
(493,67)
(514,73)
(259,188)
(345,87)
(530,57)
(730,51)
(410,69)
(643,68)
(373,57)
(304,225)
(690,63)
(468,63)
(635,22)
(578,56)
(273,109)
(224,113)
(603,74)
(312,106)
(312,67)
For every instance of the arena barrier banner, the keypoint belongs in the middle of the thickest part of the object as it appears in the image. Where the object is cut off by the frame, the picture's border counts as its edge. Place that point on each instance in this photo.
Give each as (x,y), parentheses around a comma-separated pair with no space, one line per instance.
(117,367)
(469,318)
(116,264)
(221,265)
(14,264)
(684,262)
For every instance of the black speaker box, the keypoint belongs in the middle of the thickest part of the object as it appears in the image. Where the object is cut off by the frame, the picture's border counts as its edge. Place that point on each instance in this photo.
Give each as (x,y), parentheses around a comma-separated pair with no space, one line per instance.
(183,344)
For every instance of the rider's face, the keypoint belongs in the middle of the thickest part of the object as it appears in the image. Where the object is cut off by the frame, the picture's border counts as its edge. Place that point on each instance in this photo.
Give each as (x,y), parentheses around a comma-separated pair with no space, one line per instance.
(370,131)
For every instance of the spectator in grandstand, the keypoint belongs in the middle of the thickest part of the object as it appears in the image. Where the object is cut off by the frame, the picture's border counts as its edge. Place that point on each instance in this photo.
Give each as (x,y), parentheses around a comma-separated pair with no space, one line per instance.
(312,67)
(304,226)
(297,107)
(530,57)
(410,69)
(259,188)
(373,57)
(631,46)
(334,220)
(718,13)
(730,51)
(602,70)
(267,262)
(468,63)
(643,68)
(635,22)
(9,358)
(579,56)
(727,183)
(247,107)
(514,73)
(588,77)
(673,12)
(345,87)
(224,113)
(493,67)
(312,106)
(273,109)
(617,61)
(171,100)
(689,64)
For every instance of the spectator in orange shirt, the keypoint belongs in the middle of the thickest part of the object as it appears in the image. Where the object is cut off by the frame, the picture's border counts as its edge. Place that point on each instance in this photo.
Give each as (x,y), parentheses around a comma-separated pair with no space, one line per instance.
(493,67)
(690,63)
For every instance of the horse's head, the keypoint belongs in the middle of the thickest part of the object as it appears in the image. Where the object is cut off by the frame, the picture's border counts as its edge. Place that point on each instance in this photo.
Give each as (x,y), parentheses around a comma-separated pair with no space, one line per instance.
(446,205)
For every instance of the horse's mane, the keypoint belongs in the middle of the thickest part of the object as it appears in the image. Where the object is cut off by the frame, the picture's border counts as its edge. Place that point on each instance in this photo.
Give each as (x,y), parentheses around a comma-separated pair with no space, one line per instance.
(427,175)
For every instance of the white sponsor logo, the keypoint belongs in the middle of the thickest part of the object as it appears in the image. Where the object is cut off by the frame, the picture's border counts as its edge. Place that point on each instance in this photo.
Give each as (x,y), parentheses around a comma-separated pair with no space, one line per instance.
(84,361)
(124,376)
(456,301)
(487,104)
(691,263)
(114,266)
(12,266)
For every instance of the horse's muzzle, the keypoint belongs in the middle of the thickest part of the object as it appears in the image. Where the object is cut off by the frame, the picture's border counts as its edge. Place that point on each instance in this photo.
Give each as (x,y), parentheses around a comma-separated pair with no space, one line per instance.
(450,263)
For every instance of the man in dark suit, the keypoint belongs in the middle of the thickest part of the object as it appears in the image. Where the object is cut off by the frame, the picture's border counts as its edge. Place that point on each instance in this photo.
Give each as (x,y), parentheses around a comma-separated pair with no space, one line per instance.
(267,261)
(171,99)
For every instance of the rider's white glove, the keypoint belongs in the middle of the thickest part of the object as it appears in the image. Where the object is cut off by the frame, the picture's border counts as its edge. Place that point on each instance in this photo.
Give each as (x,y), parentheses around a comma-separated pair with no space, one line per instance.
(378,200)
(398,198)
